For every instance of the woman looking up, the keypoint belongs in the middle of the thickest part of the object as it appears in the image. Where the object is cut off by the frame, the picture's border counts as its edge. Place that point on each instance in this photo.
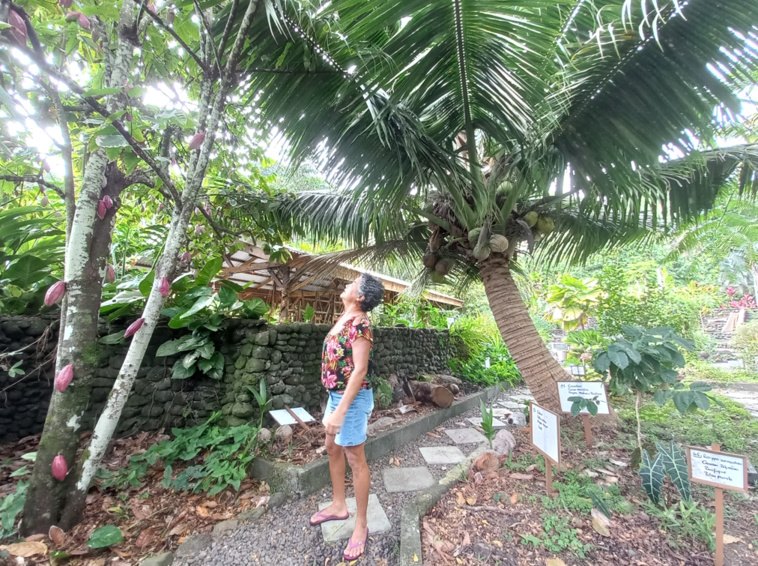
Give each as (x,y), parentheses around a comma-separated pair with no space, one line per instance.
(344,369)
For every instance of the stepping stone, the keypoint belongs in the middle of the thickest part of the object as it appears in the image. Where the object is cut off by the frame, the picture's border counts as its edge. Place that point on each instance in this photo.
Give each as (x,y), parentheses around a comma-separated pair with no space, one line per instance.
(501,413)
(510,404)
(442,455)
(465,435)
(406,479)
(477,421)
(378,522)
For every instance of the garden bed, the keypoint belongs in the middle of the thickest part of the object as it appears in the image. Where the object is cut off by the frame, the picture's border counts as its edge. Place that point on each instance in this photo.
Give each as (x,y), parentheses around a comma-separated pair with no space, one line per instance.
(505,517)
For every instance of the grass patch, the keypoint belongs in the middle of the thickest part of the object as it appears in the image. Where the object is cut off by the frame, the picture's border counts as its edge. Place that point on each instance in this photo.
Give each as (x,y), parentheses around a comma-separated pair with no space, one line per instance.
(703,371)
(731,425)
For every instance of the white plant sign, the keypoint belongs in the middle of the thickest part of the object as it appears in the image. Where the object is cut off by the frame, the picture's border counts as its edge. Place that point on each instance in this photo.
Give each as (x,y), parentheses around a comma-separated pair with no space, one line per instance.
(591,390)
(546,432)
(727,471)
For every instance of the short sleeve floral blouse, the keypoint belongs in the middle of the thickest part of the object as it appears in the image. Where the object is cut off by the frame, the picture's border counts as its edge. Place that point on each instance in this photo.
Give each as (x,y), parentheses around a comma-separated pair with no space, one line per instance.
(337,356)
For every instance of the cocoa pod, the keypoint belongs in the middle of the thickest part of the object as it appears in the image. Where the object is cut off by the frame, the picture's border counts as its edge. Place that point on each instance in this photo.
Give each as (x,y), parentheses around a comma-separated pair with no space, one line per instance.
(128,117)
(134,327)
(18,26)
(208,207)
(44,202)
(108,202)
(199,230)
(84,21)
(164,287)
(196,141)
(66,3)
(101,208)
(45,164)
(41,190)
(161,206)
(54,293)
(60,468)
(110,273)
(186,256)
(64,377)
(71,16)
(170,17)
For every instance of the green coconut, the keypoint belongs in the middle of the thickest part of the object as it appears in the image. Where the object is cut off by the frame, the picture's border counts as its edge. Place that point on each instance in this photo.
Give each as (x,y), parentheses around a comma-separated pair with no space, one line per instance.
(473,235)
(545,225)
(443,266)
(438,277)
(430,259)
(482,251)
(499,244)
(531,218)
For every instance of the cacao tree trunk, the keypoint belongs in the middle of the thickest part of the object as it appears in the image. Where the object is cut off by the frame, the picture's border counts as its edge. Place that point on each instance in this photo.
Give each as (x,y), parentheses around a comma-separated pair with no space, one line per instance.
(106,424)
(540,370)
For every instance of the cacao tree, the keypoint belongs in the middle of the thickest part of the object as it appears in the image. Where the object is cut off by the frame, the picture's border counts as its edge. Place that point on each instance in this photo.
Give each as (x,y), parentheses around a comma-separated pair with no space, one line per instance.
(90,72)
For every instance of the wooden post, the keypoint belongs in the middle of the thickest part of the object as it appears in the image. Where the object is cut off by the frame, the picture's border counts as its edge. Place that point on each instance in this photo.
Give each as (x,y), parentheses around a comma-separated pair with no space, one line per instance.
(587,429)
(549,477)
(719,519)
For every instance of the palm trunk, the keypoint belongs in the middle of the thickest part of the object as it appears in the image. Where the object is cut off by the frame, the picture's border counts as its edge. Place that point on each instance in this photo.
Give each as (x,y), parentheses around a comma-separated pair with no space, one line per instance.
(540,370)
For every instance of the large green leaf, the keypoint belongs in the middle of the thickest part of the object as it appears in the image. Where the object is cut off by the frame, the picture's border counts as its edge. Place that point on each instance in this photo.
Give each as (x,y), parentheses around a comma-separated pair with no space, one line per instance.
(652,474)
(26,270)
(105,536)
(676,467)
(209,271)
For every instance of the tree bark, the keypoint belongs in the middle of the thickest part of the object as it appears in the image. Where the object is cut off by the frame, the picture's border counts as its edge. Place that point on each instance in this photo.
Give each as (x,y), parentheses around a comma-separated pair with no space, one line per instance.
(432,393)
(538,368)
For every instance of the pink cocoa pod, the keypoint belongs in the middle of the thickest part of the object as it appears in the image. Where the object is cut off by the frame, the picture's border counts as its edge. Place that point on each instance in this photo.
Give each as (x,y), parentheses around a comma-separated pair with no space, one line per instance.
(199,230)
(128,117)
(101,208)
(108,201)
(72,16)
(84,21)
(151,7)
(208,207)
(64,377)
(110,273)
(18,26)
(186,256)
(54,293)
(44,202)
(164,287)
(66,3)
(46,165)
(134,327)
(170,17)
(196,141)
(161,206)
(60,468)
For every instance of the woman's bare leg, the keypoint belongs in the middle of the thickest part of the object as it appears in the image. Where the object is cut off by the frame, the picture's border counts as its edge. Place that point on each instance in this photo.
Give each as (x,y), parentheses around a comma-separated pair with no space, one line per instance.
(356,457)
(336,453)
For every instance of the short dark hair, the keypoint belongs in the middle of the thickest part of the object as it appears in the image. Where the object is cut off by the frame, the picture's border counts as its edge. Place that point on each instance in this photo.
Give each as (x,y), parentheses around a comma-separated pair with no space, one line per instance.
(372,291)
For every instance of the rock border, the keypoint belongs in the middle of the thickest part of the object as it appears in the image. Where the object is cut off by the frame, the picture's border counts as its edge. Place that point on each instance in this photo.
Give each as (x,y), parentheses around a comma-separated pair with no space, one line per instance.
(410,530)
(298,481)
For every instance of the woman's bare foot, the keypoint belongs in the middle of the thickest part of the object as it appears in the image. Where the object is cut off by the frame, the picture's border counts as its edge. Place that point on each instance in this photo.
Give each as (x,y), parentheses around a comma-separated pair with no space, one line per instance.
(334,512)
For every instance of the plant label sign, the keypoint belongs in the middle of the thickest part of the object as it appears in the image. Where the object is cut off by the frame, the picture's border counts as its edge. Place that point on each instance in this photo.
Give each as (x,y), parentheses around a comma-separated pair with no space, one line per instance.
(726,471)
(590,390)
(283,417)
(546,432)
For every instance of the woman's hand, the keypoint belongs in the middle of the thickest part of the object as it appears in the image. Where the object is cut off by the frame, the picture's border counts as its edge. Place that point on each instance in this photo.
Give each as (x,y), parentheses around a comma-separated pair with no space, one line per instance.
(333,423)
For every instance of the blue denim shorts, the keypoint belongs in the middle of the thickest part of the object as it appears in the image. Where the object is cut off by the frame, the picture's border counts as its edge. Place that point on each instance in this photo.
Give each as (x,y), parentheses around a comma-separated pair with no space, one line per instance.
(353,431)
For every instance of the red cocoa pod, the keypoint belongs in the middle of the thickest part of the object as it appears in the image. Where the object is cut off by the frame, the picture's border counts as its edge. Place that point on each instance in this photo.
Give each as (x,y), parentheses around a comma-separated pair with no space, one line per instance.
(134,327)
(196,141)
(161,206)
(108,201)
(18,26)
(72,16)
(60,468)
(186,256)
(66,3)
(101,208)
(164,287)
(110,273)
(41,190)
(128,117)
(84,21)
(64,377)
(54,293)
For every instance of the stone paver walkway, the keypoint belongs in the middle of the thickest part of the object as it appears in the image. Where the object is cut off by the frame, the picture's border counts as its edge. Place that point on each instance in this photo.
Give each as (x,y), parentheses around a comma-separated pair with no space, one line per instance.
(407,479)
(465,435)
(378,522)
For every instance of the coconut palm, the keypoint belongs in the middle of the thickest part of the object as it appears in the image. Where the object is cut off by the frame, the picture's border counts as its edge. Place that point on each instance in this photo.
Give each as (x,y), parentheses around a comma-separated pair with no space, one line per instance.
(507,126)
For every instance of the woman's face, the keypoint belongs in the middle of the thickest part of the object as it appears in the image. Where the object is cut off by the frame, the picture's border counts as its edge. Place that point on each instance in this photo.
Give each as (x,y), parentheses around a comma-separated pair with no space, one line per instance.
(351,295)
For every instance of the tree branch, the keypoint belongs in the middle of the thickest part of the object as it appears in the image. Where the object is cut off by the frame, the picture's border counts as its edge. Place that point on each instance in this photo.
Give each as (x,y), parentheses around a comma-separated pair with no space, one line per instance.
(209,36)
(228,26)
(217,227)
(33,179)
(157,19)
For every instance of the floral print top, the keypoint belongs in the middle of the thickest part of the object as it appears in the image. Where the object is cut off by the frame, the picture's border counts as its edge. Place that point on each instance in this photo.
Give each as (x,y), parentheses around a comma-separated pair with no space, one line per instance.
(337,356)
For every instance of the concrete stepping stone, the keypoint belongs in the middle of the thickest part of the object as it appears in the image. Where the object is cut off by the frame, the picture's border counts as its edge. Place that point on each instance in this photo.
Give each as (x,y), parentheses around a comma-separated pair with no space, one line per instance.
(442,455)
(465,435)
(334,531)
(511,405)
(477,421)
(406,479)
(501,413)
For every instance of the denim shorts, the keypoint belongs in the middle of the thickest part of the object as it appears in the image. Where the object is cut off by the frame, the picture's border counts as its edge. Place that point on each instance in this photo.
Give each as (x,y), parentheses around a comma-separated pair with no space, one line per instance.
(353,431)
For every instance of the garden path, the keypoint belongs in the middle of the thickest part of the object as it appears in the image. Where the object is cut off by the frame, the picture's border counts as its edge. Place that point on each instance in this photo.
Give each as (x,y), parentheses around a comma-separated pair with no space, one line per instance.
(283,537)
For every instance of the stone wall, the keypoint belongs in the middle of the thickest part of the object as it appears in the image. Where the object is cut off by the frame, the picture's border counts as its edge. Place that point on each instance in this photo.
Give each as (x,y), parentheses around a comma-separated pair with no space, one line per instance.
(287,356)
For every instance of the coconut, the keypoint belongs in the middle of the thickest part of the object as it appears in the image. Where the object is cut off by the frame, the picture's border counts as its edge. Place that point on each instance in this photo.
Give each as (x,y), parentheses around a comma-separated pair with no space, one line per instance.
(438,277)
(443,266)
(430,259)
(499,244)
(482,252)
(531,218)
(545,225)
(473,235)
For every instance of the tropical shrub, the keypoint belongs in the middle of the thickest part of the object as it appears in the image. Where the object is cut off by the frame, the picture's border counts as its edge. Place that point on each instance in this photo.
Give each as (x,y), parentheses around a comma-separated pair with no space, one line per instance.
(746,343)
(573,301)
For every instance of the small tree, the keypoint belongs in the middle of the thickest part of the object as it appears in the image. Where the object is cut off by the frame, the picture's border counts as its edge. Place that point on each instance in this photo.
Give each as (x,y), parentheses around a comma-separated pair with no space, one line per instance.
(572,301)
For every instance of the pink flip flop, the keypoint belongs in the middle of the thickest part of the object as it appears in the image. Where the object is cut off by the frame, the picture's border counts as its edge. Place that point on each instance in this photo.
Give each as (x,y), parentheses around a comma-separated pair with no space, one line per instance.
(351,545)
(321,518)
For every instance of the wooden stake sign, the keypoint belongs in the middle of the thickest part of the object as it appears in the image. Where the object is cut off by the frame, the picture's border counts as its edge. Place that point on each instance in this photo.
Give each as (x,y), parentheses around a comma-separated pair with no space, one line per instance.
(546,438)
(722,471)
(590,390)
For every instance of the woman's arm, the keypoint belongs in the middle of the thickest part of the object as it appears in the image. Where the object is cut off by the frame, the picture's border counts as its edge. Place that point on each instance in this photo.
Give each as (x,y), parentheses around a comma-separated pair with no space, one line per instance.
(361,349)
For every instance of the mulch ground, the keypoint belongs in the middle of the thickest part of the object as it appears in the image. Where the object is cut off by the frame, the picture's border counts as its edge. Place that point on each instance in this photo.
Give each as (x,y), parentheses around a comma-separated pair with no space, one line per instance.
(491,518)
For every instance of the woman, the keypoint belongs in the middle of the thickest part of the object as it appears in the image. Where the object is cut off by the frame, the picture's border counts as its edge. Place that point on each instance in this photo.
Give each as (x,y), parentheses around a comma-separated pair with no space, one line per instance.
(344,369)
